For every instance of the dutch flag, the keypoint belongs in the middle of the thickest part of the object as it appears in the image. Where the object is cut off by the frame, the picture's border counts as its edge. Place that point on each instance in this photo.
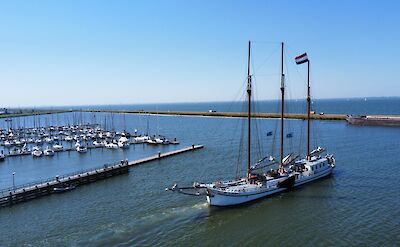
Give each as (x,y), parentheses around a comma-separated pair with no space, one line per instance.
(301,59)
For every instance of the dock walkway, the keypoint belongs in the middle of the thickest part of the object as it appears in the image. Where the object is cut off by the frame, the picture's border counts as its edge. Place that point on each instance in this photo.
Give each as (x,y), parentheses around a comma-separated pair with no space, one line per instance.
(22,193)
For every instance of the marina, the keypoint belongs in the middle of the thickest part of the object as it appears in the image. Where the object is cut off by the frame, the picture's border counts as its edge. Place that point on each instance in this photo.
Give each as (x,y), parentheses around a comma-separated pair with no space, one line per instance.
(45,141)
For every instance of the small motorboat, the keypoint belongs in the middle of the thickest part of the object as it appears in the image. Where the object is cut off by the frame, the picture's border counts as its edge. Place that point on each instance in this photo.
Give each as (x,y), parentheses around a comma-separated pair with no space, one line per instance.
(48,152)
(63,189)
(36,152)
(57,147)
(111,145)
(141,139)
(269,133)
(81,149)
(123,142)
(97,144)
(68,138)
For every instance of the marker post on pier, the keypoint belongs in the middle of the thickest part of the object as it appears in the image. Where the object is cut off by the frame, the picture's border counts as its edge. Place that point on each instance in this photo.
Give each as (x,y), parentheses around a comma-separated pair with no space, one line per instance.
(13,178)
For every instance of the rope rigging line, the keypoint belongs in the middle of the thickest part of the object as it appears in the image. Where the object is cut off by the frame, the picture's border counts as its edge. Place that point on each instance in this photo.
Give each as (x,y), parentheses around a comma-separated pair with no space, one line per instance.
(241,143)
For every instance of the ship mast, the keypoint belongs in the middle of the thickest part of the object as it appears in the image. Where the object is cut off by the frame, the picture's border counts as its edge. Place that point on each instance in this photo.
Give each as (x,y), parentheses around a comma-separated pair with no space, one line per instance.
(249,114)
(308,110)
(282,107)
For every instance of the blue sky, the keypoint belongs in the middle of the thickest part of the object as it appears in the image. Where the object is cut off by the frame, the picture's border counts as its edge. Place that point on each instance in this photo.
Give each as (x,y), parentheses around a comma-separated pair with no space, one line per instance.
(120,52)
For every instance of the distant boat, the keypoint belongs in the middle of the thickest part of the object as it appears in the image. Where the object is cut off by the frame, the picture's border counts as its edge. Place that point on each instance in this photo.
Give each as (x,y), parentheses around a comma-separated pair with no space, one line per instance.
(289,135)
(63,189)
(81,149)
(269,133)
(123,142)
(36,152)
(141,139)
(97,144)
(57,147)
(111,145)
(48,152)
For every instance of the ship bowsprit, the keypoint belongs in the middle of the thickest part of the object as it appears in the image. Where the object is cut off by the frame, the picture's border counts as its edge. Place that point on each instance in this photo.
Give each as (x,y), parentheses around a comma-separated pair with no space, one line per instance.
(195,190)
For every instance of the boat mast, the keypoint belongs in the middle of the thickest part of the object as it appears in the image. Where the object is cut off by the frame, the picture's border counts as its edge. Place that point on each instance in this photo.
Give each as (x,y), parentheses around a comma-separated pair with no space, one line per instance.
(282,106)
(249,113)
(308,110)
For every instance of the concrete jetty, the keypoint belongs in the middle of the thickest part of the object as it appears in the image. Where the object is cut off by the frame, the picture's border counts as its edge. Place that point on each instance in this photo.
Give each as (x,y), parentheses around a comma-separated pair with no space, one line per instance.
(227,114)
(26,192)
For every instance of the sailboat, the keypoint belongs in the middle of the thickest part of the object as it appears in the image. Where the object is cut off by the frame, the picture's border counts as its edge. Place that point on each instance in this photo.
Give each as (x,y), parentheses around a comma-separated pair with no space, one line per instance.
(291,172)
(253,186)
(314,165)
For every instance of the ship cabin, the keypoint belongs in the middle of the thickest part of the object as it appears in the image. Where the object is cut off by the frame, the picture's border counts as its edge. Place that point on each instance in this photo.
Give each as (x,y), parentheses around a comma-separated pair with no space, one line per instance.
(313,166)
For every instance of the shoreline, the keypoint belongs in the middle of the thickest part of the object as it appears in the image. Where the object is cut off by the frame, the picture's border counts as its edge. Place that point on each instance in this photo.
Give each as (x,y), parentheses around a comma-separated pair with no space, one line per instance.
(299,116)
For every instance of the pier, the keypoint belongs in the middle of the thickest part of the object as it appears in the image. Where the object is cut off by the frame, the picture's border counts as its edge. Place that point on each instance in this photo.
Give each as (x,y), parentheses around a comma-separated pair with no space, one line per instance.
(301,116)
(28,113)
(26,192)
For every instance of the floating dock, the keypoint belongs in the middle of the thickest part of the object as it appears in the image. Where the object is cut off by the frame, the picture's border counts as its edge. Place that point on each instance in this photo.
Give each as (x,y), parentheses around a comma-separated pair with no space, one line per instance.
(22,193)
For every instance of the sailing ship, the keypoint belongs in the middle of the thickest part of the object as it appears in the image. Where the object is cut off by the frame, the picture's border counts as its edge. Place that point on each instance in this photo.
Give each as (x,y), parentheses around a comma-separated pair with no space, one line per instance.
(291,172)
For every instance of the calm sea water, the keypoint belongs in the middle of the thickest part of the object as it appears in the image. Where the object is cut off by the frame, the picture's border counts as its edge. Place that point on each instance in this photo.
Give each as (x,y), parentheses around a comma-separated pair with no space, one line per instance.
(358,205)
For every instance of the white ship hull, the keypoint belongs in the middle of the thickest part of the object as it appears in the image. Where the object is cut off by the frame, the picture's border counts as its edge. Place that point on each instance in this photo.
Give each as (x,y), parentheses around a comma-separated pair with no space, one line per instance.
(217,197)
(229,199)
(245,192)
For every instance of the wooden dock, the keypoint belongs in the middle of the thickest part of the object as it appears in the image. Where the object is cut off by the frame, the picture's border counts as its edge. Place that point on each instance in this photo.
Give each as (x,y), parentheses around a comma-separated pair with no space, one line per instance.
(22,193)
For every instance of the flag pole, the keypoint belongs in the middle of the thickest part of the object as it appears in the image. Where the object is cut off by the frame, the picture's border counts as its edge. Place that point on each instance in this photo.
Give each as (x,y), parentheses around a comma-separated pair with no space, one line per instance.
(308,110)
(282,107)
